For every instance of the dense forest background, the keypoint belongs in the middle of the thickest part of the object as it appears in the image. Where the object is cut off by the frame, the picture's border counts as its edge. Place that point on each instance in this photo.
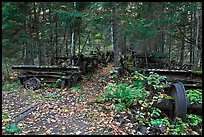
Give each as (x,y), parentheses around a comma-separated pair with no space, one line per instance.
(37,32)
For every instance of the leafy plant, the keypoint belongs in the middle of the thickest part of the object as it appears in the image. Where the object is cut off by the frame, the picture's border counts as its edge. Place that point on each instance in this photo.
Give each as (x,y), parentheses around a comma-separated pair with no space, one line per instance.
(101,79)
(75,88)
(4,115)
(138,77)
(119,106)
(194,120)
(11,86)
(156,112)
(79,96)
(157,81)
(50,95)
(160,122)
(124,94)
(113,74)
(58,81)
(194,96)
(12,128)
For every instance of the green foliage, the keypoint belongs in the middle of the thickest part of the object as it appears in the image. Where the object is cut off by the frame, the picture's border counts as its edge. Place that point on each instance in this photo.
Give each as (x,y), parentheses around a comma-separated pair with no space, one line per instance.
(123,94)
(51,96)
(12,128)
(160,122)
(180,127)
(113,74)
(157,81)
(79,96)
(101,79)
(194,120)
(58,82)
(4,115)
(11,86)
(194,96)
(198,72)
(75,88)
(138,77)
(119,107)
(156,112)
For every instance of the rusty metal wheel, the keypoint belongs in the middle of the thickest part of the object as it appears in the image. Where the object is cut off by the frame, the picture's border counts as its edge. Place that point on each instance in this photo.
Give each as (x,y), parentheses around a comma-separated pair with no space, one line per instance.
(33,83)
(177,91)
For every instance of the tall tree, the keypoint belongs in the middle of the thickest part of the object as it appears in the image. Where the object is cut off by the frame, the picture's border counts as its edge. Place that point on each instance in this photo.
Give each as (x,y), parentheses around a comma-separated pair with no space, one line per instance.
(115,27)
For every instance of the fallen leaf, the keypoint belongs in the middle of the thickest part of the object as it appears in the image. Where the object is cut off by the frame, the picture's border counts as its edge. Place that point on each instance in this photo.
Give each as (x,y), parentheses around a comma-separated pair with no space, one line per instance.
(20,124)
(63,127)
(92,128)
(78,132)
(7,120)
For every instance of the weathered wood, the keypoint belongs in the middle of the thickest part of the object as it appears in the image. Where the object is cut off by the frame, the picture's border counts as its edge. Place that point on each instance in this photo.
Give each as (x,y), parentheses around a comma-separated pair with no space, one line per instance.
(186,77)
(46,73)
(29,107)
(25,114)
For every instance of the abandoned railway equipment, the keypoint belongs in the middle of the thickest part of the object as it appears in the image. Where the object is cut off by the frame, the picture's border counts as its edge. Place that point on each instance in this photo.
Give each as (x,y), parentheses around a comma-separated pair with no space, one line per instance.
(177,91)
(189,78)
(149,60)
(179,105)
(33,75)
(85,63)
(33,83)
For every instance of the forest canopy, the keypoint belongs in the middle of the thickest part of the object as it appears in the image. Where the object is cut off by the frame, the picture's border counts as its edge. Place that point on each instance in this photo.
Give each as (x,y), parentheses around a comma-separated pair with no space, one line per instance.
(37,32)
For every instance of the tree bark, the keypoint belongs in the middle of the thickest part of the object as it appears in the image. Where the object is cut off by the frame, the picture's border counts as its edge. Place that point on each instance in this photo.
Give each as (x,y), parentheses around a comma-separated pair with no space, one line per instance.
(196,54)
(56,39)
(191,45)
(182,50)
(63,44)
(43,45)
(52,61)
(115,35)
(73,46)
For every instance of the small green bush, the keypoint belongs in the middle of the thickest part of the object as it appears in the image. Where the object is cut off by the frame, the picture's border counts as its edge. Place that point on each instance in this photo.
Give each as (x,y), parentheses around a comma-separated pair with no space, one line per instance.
(124,94)
(11,86)
(194,96)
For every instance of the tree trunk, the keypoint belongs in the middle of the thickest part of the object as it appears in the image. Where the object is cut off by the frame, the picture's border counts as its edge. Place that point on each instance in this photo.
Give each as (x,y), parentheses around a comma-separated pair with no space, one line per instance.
(115,35)
(36,39)
(56,39)
(43,35)
(38,35)
(23,53)
(79,39)
(73,46)
(191,45)
(196,54)
(52,61)
(32,50)
(63,44)
(182,50)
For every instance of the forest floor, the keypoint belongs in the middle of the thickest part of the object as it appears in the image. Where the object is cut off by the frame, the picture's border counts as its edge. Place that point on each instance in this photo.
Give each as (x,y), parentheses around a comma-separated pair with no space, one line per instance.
(73,112)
